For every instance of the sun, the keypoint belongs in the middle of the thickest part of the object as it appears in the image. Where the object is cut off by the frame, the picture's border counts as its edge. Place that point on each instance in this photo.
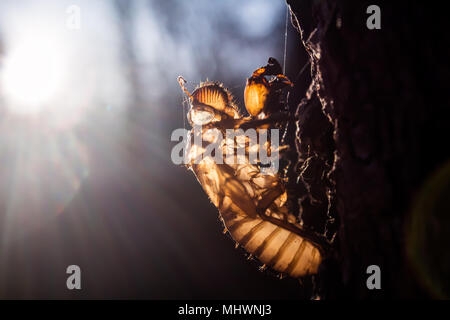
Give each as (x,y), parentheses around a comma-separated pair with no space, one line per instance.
(32,74)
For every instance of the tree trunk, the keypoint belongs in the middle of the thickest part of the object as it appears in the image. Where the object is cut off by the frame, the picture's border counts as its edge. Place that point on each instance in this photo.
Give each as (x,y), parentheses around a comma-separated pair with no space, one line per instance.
(371,132)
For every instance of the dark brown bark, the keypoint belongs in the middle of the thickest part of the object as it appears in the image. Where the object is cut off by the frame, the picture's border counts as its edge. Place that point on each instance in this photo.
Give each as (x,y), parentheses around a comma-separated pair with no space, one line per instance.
(371,131)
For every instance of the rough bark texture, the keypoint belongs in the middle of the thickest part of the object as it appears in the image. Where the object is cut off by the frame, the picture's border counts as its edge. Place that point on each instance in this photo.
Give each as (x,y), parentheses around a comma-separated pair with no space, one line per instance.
(369,132)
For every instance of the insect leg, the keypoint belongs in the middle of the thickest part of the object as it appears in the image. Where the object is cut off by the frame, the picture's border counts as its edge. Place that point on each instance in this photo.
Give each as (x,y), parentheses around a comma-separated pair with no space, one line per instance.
(283,79)
(181,82)
(268,198)
(260,123)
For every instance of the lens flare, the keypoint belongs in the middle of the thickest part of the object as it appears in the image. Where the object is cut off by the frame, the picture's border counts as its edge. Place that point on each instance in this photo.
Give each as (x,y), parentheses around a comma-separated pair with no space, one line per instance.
(32,74)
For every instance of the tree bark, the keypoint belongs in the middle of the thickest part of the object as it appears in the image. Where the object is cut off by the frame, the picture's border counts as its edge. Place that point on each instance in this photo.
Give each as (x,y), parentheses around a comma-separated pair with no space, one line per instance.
(369,135)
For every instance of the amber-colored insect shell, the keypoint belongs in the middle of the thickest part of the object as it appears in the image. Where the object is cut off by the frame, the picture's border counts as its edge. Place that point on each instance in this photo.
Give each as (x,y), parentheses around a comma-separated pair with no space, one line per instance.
(255,96)
(216,96)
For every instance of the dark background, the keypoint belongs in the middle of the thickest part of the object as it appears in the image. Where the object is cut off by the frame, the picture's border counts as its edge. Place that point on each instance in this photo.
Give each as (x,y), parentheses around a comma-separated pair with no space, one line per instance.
(102,192)
(384,93)
(86,174)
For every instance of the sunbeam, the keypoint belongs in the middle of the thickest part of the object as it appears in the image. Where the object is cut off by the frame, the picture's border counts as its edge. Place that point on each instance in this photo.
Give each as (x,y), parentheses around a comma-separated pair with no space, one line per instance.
(33,73)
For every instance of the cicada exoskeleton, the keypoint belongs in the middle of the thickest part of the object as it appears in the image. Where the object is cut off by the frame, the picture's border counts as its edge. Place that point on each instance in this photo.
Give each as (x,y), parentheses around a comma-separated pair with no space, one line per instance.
(251,198)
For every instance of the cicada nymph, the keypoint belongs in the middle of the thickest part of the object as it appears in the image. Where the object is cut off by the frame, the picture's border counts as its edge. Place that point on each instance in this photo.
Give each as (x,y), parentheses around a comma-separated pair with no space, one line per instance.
(251,200)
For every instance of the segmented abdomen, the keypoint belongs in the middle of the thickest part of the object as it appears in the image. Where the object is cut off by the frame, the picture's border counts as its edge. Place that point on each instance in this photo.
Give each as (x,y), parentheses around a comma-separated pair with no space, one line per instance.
(237,191)
(278,248)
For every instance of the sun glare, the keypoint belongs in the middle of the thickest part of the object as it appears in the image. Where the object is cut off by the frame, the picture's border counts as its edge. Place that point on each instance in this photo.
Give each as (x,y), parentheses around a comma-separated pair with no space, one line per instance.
(32,74)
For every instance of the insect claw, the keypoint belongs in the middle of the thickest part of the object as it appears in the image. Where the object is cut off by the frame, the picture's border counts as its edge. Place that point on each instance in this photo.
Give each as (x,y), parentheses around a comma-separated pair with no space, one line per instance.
(250,257)
(181,82)
(225,230)
(263,267)
(284,80)
(236,245)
